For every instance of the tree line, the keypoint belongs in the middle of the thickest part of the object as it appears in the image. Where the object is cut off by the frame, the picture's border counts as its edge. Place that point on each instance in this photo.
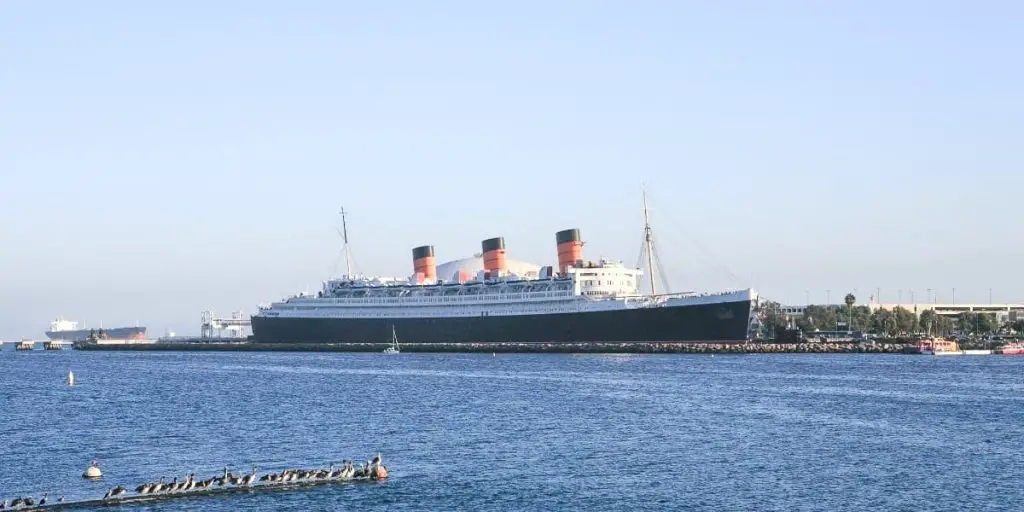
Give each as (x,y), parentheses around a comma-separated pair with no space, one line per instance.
(897,322)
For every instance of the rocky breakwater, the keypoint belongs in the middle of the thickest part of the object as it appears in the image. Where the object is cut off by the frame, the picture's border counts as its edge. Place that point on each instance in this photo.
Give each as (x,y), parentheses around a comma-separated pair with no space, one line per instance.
(664,348)
(511,347)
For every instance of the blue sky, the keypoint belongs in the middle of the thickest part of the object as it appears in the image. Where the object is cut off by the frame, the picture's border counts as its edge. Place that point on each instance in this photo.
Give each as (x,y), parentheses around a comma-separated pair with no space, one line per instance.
(158,159)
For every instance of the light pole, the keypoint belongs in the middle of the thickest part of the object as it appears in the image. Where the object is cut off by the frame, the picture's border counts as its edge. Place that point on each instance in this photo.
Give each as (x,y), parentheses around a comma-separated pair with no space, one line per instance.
(828,300)
(954,295)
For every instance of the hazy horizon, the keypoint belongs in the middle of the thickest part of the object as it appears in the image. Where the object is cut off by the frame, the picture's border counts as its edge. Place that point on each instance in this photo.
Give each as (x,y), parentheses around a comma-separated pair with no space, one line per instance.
(160,160)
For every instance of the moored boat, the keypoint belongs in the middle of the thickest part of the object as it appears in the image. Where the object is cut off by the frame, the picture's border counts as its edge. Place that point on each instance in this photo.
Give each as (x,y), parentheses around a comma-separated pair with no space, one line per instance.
(1014,348)
(937,347)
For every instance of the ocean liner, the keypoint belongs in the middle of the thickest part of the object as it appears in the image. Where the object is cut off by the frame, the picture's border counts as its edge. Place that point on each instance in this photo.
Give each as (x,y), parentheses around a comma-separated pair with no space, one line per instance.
(577,301)
(66,330)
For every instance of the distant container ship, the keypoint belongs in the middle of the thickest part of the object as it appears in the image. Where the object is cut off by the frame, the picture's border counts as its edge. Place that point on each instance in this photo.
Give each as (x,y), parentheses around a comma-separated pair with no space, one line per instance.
(488,299)
(61,329)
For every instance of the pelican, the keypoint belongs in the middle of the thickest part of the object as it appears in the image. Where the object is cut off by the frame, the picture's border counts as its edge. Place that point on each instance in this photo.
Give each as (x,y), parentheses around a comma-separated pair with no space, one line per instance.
(223,479)
(248,479)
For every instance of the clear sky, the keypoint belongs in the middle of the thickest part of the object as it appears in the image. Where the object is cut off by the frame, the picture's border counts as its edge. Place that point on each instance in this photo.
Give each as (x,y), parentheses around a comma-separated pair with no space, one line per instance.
(161,158)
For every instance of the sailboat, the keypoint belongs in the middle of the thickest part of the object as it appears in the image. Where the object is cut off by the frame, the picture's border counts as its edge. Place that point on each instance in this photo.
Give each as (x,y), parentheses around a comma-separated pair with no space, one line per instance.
(393,349)
(71,378)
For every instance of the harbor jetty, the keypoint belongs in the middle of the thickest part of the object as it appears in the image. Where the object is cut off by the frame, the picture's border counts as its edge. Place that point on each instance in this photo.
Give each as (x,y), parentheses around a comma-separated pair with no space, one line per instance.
(555,348)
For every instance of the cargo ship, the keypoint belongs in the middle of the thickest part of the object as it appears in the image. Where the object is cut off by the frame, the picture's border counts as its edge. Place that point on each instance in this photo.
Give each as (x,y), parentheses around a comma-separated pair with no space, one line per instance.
(490,298)
(66,330)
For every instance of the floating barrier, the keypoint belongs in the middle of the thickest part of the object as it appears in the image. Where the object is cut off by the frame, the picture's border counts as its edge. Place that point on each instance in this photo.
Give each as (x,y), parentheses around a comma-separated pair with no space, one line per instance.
(297,479)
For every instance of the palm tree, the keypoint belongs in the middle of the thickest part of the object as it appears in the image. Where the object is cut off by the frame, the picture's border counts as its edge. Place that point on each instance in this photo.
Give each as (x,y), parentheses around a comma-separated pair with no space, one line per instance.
(850,300)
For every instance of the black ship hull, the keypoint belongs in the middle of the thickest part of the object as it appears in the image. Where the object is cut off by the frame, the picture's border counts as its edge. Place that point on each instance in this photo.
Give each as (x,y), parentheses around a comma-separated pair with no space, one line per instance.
(721,322)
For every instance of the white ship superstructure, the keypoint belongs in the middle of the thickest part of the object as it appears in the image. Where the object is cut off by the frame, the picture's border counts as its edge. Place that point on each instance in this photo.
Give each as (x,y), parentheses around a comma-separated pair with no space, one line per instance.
(600,286)
(59,324)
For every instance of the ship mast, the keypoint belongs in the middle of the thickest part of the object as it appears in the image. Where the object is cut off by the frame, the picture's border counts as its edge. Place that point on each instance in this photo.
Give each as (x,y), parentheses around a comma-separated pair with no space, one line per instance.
(344,247)
(649,243)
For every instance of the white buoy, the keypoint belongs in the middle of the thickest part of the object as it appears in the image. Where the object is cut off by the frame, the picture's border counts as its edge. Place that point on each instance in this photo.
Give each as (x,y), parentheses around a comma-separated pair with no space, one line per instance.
(93,471)
(71,378)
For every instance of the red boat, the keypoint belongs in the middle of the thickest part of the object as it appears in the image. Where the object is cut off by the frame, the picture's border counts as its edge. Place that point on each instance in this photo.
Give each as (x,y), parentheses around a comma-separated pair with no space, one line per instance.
(1015,348)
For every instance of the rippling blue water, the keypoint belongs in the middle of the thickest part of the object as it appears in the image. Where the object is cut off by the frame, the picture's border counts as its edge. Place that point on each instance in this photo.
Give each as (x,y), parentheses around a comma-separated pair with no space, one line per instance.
(527,432)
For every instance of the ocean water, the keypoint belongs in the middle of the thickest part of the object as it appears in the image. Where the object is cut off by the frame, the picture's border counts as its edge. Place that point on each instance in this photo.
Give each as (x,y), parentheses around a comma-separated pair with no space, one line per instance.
(526,432)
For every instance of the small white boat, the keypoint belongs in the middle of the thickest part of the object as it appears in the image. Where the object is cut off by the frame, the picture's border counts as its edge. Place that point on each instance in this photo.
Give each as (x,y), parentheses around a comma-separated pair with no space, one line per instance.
(976,352)
(393,349)
(71,378)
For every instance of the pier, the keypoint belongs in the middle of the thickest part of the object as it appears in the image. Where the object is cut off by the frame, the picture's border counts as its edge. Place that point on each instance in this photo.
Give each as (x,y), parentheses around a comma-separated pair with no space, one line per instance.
(211,326)
(28,345)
